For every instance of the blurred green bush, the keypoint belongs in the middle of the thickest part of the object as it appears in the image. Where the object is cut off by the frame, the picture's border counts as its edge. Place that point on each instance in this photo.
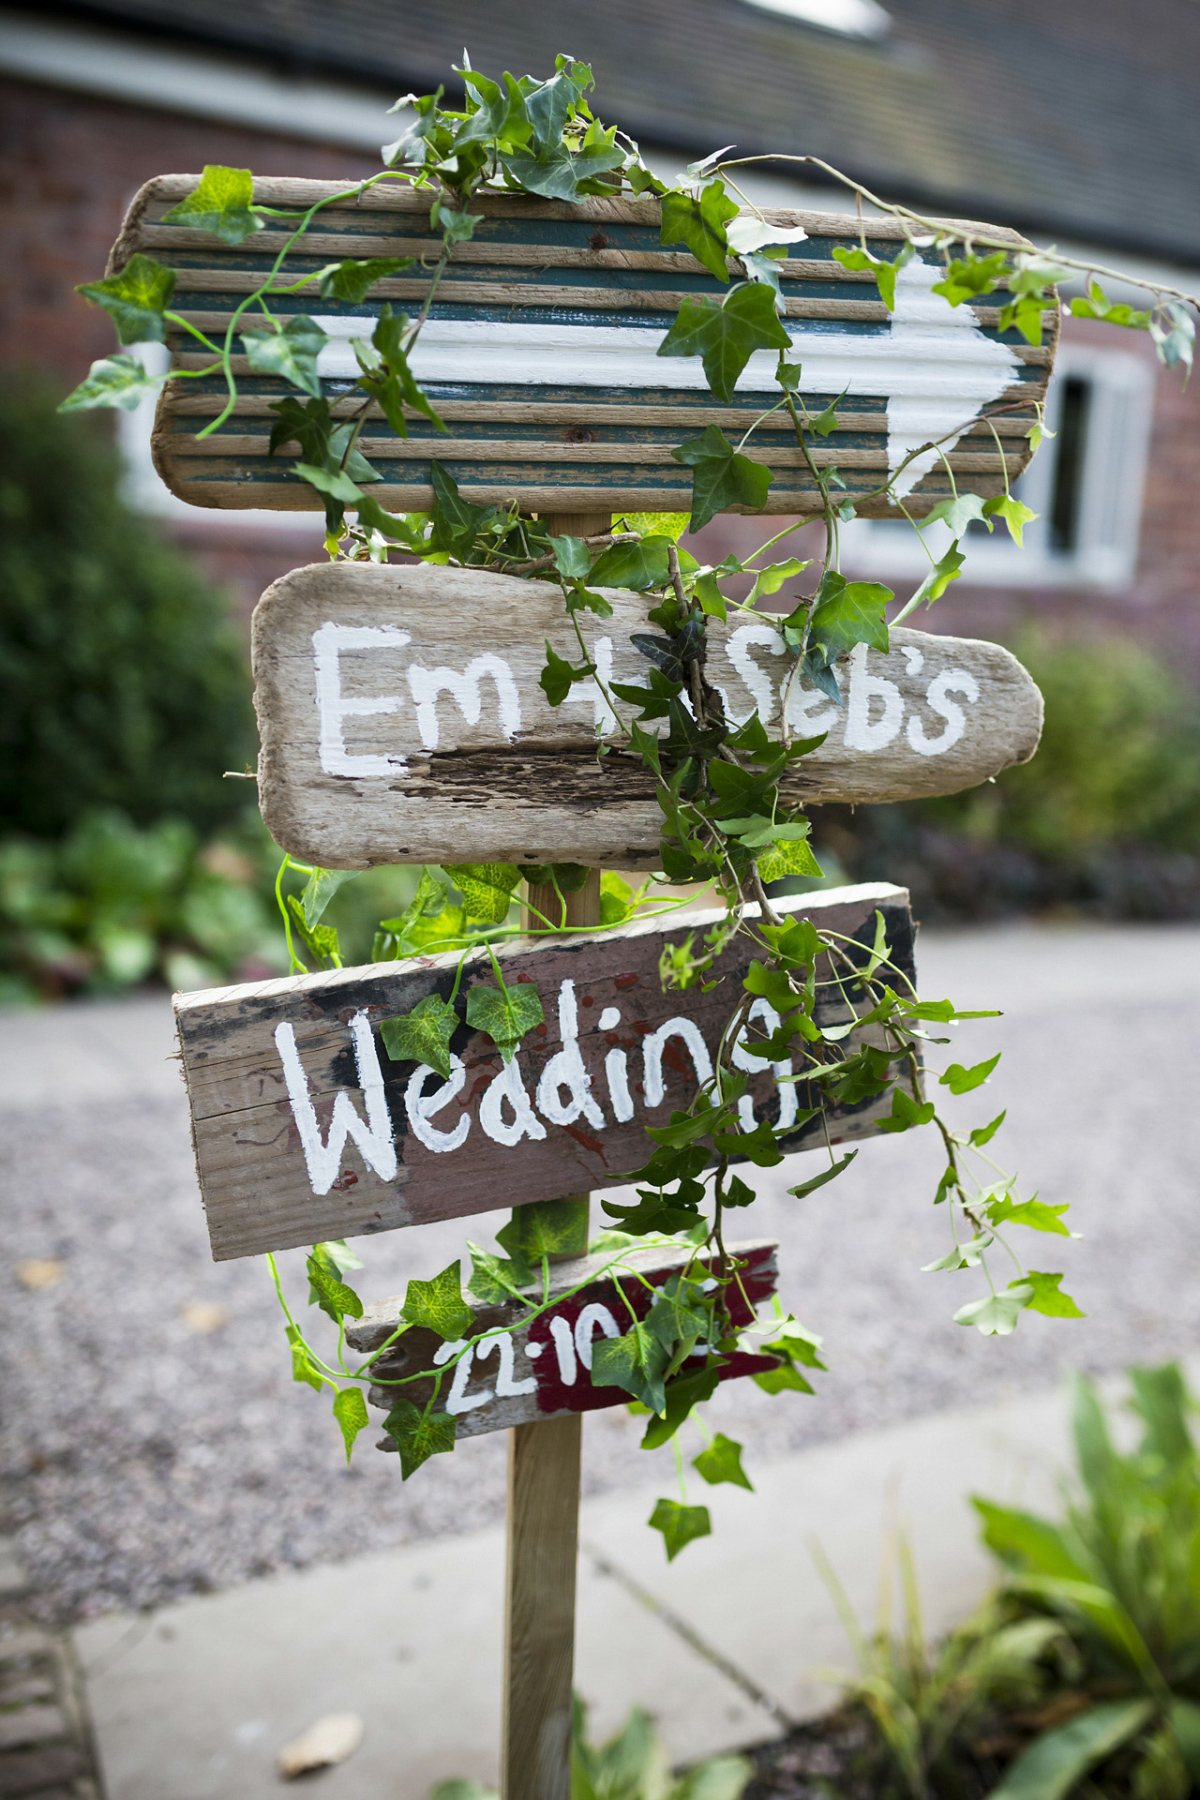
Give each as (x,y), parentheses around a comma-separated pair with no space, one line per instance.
(122,683)
(1105,819)
(112,904)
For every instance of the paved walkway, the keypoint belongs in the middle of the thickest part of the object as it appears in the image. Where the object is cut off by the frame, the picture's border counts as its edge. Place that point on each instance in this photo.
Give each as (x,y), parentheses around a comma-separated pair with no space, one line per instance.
(726,1646)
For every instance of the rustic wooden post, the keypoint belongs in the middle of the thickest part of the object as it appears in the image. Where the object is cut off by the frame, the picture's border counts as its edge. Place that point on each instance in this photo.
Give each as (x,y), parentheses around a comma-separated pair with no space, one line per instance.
(543,1499)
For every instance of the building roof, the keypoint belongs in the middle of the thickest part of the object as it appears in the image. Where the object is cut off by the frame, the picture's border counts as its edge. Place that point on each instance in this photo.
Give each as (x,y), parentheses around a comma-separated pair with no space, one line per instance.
(1066,117)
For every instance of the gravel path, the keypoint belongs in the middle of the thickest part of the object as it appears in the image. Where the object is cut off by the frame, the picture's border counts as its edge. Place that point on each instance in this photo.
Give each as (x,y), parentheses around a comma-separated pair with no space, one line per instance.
(145,1458)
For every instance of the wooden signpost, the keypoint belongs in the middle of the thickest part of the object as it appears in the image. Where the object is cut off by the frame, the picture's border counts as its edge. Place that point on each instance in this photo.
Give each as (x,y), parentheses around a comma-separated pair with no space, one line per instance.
(305,1130)
(399,712)
(402,721)
(540,353)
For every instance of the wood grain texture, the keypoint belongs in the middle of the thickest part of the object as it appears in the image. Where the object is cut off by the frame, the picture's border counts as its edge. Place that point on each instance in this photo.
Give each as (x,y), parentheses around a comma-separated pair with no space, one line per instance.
(471,752)
(352,1143)
(482,1400)
(553,270)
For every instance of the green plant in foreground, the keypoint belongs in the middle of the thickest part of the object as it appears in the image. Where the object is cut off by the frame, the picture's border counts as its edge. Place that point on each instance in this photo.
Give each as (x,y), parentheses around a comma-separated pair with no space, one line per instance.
(925,1702)
(630,1766)
(1121,1575)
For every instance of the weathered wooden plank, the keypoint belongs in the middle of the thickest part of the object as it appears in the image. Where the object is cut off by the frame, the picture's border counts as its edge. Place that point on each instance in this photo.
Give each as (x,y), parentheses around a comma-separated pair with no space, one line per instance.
(550,297)
(305,1130)
(399,711)
(544,1372)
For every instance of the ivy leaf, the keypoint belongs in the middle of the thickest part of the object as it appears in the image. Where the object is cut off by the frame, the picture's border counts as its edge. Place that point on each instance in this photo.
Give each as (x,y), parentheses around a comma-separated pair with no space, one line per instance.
(700,225)
(972,276)
(809,1187)
(556,174)
(785,1379)
(948,568)
(319,890)
(997,1314)
(746,234)
(1014,512)
(350,1411)
(291,351)
(572,558)
(679,1524)
(308,424)
(637,566)
(636,1362)
(617,899)
(493,1279)
(558,677)
(720,476)
(682,1394)
(555,1228)
(505,1013)
(794,857)
(351,280)
(1175,338)
(136,299)
(961,1081)
(112,381)
(1047,1297)
(456,522)
(418,1435)
(438,1305)
(386,375)
(726,333)
(983,1134)
(422,1035)
(221,204)
(848,613)
(957,512)
(722,1461)
(1097,305)
(906,1112)
(334,482)
(501,112)
(335,1257)
(487,888)
(771,579)
(302,1365)
(1035,1213)
(320,941)
(827,422)
(885,272)
(336,1298)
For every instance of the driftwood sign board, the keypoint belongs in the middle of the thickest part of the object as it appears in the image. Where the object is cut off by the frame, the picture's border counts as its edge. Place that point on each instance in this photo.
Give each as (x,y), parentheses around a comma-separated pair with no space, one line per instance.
(543,1370)
(540,353)
(305,1130)
(400,715)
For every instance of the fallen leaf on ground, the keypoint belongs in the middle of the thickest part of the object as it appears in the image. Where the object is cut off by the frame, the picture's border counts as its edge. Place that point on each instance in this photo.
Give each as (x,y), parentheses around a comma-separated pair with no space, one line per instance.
(331,1740)
(203,1316)
(40,1272)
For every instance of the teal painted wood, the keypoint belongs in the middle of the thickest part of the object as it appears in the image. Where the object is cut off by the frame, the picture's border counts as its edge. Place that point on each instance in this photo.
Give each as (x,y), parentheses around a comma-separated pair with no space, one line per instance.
(540,353)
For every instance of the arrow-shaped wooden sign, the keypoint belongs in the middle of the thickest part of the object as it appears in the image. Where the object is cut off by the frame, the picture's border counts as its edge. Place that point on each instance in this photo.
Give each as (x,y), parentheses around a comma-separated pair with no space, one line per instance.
(540,352)
(400,713)
(305,1129)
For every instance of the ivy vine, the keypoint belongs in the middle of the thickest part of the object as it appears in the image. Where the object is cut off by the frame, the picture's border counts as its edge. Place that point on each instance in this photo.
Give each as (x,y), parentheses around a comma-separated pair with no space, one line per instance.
(725,823)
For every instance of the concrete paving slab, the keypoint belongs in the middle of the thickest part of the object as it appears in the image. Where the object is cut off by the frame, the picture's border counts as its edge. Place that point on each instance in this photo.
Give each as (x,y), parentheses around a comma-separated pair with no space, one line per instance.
(753,1587)
(87,1051)
(191,1702)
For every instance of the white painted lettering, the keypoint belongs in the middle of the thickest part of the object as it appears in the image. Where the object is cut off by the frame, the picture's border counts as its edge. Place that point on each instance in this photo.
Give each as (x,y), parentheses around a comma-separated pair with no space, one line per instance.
(616,1069)
(950,681)
(745,1059)
(801,701)
(458,1400)
(594,1317)
(421,1107)
(334,708)
(467,692)
(760,684)
(652,1055)
(564,1349)
(507,1387)
(323,1159)
(565,1070)
(507,1088)
(862,732)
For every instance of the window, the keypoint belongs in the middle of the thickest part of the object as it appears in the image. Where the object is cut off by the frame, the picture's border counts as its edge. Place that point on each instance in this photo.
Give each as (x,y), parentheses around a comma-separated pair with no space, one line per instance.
(851,18)
(1085,484)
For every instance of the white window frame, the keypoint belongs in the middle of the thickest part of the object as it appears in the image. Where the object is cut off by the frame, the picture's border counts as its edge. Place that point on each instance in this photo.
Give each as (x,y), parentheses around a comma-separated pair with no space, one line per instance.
(1110,504)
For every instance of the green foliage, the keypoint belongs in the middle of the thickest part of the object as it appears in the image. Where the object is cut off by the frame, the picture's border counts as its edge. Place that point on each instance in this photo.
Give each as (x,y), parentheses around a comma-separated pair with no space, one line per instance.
(721,476)
(423,1034)
(110,906)
(505,1013)
(135,299)
(438,1305)
(725,334)
(221,203)
(418,1435)
(122,684)
(680,1525)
